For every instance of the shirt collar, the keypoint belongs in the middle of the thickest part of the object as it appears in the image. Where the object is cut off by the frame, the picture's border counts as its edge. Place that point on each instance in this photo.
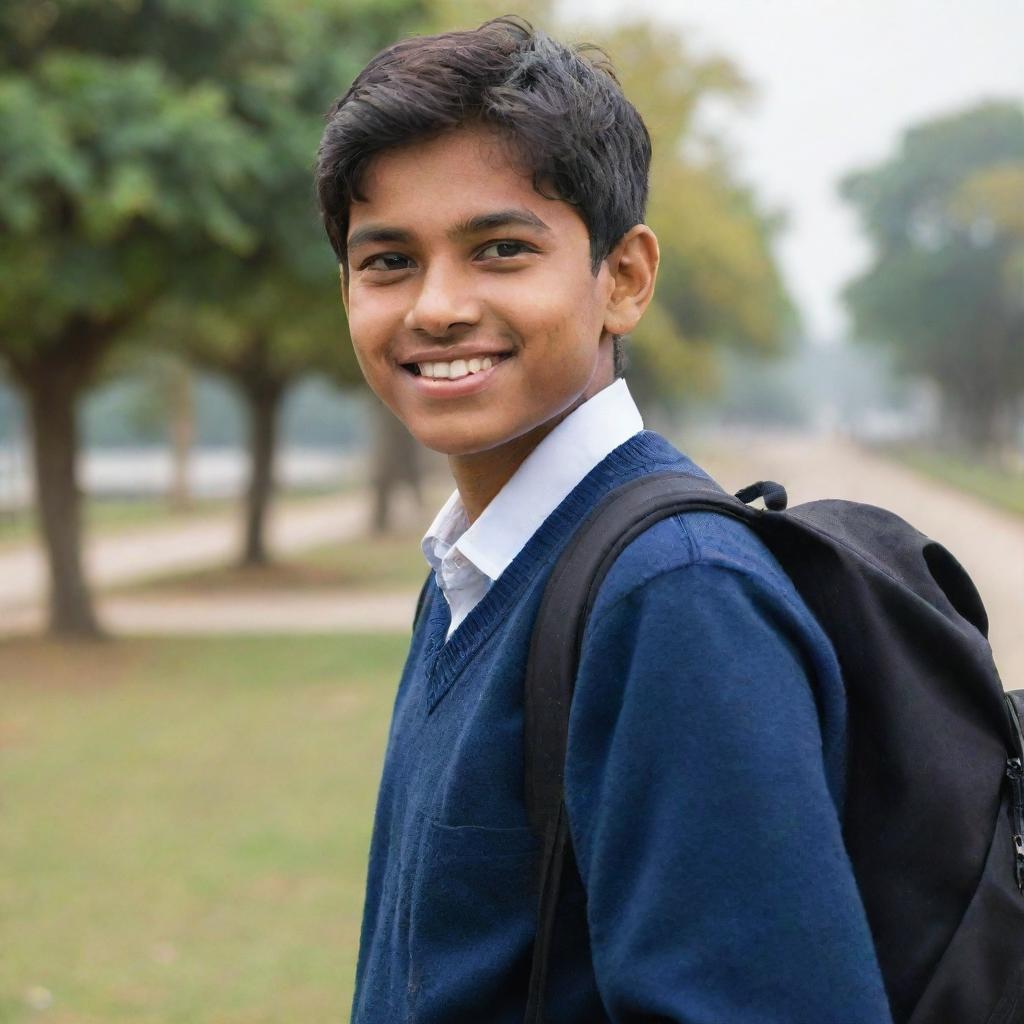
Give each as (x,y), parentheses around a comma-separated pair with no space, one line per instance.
(449,524)
(547,475)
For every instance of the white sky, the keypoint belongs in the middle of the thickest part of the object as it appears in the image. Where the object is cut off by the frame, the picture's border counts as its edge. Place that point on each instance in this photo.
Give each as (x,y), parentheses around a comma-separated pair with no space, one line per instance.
(837,81)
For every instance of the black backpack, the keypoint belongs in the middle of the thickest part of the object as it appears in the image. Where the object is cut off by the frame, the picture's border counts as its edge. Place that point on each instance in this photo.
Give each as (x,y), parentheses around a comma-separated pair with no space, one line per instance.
(934,813)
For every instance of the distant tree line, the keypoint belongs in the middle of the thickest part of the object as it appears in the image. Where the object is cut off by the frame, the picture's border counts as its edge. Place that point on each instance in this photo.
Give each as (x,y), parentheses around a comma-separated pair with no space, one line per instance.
(945,289)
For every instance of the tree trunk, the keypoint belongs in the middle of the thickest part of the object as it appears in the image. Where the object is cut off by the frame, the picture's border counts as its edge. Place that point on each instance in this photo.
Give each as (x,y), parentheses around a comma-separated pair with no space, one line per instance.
(395,462)
(182,428)
(52,377)
(263,400)
(52,395)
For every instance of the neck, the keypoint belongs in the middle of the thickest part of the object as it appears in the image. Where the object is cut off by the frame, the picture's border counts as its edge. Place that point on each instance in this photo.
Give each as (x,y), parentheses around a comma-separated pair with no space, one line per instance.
(480,475)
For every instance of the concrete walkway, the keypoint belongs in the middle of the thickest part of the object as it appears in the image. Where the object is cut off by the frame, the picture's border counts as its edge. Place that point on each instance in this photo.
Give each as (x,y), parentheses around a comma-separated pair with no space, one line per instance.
(144,551)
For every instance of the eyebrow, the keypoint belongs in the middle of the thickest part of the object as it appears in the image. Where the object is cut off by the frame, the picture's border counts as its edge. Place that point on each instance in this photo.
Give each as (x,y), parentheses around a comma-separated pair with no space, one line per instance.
(515,216)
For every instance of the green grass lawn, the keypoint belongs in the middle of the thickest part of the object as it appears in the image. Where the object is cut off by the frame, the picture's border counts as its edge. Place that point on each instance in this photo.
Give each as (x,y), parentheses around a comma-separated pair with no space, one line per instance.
(999,487)
(185,826)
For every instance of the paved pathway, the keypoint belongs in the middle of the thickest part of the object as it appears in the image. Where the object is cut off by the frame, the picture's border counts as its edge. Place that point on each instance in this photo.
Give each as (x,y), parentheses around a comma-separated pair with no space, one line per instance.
(144,551)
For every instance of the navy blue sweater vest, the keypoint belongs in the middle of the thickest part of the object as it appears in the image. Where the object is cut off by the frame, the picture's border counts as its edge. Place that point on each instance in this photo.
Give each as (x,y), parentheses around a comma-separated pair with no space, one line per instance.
(703,784)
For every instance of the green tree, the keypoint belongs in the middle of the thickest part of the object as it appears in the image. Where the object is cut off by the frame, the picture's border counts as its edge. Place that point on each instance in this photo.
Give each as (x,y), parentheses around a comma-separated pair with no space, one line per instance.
(146,147)
(263,326)
(267,317)
(718,284)
(945,289)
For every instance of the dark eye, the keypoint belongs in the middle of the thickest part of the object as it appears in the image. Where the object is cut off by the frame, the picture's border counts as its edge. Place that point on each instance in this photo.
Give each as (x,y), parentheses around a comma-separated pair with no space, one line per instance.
(504,249)
(386,261)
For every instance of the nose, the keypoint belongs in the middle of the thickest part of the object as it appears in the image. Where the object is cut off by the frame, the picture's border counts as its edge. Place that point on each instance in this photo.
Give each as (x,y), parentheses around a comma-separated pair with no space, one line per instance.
(444,302)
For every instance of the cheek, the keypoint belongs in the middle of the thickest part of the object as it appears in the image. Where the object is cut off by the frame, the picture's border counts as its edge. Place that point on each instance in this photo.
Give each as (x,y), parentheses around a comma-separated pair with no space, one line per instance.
(566,335)
(368,327)
(571,297)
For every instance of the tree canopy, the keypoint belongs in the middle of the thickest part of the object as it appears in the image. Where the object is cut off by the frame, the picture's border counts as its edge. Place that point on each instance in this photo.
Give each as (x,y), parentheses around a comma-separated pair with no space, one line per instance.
(945,289)
(156,154)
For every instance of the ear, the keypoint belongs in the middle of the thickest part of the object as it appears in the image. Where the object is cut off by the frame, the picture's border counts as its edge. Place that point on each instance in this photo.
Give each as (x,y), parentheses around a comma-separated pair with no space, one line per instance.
(633,265)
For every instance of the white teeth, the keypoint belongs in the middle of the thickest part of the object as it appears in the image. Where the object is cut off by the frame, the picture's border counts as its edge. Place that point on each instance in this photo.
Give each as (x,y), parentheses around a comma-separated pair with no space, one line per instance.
(456,369)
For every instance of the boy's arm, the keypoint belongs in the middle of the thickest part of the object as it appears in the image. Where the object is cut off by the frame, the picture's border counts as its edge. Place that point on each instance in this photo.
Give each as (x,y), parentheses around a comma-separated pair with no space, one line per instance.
(718,886)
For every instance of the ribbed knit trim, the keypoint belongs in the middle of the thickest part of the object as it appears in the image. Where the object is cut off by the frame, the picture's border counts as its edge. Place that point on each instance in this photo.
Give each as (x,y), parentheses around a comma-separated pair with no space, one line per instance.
(643,452)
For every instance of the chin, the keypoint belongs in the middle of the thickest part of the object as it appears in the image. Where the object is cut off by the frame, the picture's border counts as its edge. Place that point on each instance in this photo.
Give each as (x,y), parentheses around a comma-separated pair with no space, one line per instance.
(447,445)
(448,442)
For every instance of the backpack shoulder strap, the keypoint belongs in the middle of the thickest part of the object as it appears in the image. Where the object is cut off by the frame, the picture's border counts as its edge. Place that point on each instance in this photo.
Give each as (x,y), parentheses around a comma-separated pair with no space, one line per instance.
(569,597)
(555,648)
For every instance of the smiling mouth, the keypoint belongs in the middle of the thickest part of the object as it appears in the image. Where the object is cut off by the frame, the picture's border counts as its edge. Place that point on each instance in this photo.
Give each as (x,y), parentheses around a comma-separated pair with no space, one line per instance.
(454,369)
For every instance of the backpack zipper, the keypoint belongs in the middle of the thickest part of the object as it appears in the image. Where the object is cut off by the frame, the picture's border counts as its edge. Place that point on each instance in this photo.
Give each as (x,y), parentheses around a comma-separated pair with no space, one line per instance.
(1015,773)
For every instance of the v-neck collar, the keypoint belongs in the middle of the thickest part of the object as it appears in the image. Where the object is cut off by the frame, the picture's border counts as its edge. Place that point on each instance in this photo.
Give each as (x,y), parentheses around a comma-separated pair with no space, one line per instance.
(446,659)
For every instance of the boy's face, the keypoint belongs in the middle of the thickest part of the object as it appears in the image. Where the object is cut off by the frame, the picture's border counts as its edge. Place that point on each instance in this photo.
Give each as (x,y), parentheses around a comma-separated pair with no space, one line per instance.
(454,257)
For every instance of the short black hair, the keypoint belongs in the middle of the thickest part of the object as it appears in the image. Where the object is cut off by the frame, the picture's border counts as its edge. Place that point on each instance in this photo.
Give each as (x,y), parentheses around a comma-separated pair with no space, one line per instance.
(560,107)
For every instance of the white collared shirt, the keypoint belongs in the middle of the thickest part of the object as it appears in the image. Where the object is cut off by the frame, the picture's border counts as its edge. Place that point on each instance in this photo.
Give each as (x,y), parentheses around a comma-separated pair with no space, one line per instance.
(467,559)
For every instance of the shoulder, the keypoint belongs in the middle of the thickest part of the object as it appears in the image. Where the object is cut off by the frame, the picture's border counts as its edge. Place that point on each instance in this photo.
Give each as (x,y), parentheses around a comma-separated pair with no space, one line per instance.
(692,545)
(721,545)
(705,582)
(698,614)
(694,557)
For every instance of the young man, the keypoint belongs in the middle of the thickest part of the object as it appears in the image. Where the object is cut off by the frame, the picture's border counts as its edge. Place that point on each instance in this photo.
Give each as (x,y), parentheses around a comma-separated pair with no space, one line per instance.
(484,192)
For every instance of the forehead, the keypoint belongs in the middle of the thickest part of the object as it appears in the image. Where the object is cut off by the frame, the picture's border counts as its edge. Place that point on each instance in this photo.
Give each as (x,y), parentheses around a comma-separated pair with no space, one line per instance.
(434,183)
